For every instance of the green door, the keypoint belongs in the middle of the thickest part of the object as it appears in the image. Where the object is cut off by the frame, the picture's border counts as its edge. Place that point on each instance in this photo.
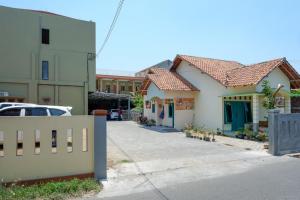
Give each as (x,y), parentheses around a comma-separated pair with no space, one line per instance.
(238,115)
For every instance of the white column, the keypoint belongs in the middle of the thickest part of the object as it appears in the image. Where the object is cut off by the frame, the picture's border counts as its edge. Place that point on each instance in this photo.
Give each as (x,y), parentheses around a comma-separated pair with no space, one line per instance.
(133,87)
(117,88)
(287,106)
(101,85)
(255,112)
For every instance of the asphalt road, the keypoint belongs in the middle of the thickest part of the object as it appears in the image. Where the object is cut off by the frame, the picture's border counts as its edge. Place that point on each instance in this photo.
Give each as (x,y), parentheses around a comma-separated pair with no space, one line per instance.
(270,182)
(149,164)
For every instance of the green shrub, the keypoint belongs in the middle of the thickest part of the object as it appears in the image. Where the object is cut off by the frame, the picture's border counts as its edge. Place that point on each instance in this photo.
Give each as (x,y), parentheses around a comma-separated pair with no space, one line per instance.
(250,134)
(50,190)
(262,136)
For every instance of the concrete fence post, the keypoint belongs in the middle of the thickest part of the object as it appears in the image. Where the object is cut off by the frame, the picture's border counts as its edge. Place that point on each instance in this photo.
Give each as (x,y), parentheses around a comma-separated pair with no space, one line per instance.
(100,146)
(273,132)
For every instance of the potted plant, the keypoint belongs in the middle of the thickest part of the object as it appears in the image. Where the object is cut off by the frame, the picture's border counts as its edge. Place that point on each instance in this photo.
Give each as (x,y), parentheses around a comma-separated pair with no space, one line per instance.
(240,134)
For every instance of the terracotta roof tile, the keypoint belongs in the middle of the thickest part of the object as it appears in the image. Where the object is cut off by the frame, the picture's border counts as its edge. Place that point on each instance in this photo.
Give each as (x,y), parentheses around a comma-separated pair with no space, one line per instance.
(233,74)
(252,74)
(167,80)
(215,68)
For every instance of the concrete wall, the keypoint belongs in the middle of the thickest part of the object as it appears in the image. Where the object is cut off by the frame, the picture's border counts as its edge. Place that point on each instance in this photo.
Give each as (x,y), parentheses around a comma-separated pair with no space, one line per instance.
(46,164)
(284,133)
(21,56)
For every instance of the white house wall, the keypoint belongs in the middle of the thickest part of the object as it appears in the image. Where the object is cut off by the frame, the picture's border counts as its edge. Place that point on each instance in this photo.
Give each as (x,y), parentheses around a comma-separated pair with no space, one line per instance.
(208,102)
(275,77)
(181,117)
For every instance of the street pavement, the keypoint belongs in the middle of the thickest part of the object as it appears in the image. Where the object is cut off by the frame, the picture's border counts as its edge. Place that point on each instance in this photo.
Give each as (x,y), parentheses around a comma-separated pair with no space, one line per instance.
(156,164)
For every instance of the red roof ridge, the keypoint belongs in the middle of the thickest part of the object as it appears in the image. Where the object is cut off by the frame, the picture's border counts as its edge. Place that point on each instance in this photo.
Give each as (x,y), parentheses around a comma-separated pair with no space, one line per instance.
(267,61)
(215,59)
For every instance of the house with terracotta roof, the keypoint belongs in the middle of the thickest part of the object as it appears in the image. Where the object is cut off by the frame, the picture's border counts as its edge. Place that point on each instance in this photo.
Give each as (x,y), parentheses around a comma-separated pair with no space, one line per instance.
(216,94)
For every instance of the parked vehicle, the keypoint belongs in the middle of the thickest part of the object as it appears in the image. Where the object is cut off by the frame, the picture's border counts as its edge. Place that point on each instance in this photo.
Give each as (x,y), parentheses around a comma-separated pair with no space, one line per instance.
(8,104)
(36,110)
(114,114)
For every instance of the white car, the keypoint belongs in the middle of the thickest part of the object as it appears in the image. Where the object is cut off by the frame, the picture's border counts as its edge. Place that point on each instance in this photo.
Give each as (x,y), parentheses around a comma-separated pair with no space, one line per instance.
(36,110)
(8,104)
(114,114)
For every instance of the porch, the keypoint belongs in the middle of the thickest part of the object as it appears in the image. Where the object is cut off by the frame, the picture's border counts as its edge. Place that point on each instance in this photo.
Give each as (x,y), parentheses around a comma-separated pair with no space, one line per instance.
(172,112)
(246,111)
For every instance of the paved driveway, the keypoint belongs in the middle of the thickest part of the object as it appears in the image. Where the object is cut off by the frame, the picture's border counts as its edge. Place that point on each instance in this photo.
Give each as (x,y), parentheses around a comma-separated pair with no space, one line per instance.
(146,161)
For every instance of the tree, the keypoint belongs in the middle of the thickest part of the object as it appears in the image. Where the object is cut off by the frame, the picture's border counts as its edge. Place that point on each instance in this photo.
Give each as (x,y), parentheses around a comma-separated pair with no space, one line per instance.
(269,99)
(138,101)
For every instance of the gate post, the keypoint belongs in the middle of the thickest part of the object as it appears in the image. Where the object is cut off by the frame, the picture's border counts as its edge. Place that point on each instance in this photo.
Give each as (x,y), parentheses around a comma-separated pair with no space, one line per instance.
(100,148)
(273,132)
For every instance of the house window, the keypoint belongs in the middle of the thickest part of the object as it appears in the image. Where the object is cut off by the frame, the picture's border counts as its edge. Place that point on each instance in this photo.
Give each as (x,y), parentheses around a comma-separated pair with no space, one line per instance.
(170,110)
(45,70)
(153,108)
(248,113)
(228,113)
(45,36)
(245,108)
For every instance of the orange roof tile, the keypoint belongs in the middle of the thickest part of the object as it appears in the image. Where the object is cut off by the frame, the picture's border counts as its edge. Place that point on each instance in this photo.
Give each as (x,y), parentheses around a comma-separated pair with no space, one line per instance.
(252,74)
(167,80)
(213,67)
(233,74)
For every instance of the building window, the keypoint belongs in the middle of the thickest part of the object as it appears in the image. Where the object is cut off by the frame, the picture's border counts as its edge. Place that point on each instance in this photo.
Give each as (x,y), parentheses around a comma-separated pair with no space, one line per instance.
(45,36)
(170,110)
(45,70)
(122,88)
(107,88)
(153,108)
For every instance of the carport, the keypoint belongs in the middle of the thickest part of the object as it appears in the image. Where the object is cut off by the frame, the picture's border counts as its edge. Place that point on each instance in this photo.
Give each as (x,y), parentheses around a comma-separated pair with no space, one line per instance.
(107,101)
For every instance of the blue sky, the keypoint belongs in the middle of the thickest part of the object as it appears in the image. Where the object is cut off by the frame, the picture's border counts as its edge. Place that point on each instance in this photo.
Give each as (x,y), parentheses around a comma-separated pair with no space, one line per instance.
(149,31)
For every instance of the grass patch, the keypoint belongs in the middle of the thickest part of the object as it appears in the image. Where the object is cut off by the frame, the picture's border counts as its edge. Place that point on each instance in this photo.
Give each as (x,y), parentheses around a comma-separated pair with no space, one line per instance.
(51,190)
(126,161)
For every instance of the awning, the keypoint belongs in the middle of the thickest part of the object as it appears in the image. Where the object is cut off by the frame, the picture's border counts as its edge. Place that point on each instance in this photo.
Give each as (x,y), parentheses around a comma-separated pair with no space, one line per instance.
(108,96)
(243,94)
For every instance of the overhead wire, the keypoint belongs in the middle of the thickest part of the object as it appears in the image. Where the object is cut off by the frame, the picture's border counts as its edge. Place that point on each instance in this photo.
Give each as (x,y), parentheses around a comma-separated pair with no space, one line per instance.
(118,11)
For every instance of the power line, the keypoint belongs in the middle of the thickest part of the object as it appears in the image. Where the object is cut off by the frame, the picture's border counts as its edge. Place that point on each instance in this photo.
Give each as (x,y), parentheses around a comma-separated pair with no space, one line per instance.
(111,27)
